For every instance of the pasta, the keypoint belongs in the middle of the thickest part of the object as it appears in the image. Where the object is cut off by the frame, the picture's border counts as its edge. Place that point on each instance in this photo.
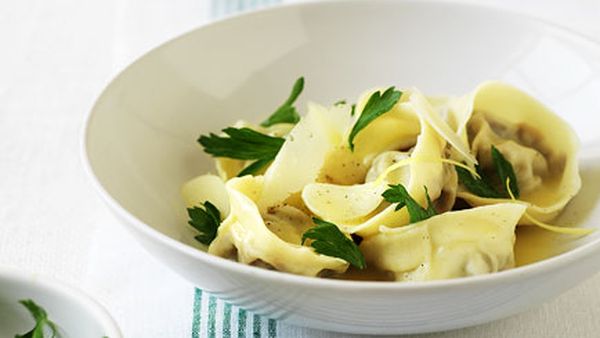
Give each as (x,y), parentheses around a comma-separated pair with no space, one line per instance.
(540,145)
(454,244)
(407,186)
(245,233)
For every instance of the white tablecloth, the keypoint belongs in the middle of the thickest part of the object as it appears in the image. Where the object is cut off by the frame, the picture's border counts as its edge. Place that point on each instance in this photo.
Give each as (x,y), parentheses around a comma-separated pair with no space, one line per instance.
(56,57)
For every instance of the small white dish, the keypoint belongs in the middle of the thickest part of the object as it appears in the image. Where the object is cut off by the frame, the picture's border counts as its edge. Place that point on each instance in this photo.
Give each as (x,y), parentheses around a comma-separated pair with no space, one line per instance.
(76,314)
(140,141)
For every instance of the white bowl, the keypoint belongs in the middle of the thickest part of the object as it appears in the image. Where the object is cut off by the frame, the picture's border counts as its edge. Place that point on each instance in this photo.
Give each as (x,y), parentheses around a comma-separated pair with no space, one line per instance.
(140,142)
(76,314)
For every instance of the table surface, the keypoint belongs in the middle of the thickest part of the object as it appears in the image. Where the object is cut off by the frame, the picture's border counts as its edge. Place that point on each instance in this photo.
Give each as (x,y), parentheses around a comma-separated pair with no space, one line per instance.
(56,58)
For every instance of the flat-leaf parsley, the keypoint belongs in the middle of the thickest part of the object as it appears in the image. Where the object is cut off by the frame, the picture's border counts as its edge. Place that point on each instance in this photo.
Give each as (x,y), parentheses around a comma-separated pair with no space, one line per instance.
(398,194)
(484,186)
(287,113)
(377,105)
(206,220)
(243,144)
(42,326)
(329,240)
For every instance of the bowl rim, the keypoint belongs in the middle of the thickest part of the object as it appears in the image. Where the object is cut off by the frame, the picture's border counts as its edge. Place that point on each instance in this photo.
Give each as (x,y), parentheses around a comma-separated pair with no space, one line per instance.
(51,286)
(133,223)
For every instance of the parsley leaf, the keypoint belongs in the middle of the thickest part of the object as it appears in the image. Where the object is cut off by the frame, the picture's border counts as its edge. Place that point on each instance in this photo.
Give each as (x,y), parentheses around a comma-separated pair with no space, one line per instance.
(340,102)
(254,167)
(329,240)
(484,186)
(248,144)
(287,113)
(41,321)
(243,144)
(505,170)
(398,194)
(479,186)
(377,105)
(206,221)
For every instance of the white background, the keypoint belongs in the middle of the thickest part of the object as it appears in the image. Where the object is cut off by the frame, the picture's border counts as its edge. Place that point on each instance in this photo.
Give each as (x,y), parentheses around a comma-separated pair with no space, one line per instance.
(55,58)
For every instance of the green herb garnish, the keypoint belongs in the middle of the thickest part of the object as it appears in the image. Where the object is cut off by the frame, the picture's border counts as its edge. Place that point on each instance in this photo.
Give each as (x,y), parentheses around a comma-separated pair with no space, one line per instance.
(248,144)
(42,323)
(484,186)
(287,113)
(340,102)
(377,105)
(398,194)
(254,167)
(329,240)
(206,220)
(243,144)
(480,186)
(505,170)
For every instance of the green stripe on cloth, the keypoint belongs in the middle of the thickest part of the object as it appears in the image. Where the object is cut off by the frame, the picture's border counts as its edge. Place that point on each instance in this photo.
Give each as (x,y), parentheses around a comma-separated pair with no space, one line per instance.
(227,321)
(242,324)
(212,309)
(211,312)
(272,328)
(256,326)
(197,313)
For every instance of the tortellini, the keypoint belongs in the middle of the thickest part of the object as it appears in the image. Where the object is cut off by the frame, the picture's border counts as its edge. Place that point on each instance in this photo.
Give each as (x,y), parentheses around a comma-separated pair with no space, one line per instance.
(425,170)
(396,129)
(453,244)
(420,144)
(243,234)
(541,147)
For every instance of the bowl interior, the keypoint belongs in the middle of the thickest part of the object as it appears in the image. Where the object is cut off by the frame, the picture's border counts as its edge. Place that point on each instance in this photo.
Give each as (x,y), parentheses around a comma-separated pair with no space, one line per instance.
(74,313)
(141,135)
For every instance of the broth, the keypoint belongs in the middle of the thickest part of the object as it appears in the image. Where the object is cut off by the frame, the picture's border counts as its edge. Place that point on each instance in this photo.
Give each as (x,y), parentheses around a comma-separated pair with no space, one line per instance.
(534,244)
